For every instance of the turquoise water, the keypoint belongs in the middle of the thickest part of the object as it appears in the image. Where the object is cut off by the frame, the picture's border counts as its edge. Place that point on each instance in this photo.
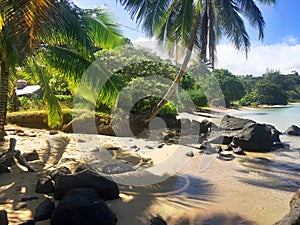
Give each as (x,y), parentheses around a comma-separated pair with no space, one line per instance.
(281,118)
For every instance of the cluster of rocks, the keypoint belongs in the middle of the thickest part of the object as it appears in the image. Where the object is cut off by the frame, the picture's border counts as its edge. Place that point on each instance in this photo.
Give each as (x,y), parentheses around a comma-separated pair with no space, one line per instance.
(240,134)
(81,199)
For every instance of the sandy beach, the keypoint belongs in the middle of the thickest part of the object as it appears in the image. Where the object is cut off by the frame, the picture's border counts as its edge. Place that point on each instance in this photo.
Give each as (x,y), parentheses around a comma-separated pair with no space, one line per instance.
(201,190)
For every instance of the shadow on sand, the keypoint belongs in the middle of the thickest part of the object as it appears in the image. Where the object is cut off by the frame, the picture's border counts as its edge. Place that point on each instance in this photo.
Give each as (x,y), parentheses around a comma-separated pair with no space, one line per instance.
(275,174)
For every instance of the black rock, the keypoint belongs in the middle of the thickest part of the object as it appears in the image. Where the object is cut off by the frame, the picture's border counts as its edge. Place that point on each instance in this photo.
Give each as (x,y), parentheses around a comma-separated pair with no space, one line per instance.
(4,169)
(232,123)
(61,171)
(81,167)
(44,186)
(239,151)
(202,147)
(160,145)
(157,221)
(3,217)
(117,168)
(31,156)
(218,149)
(190,154)
(228,148)
(53,132)
(106,189)
(293,130)
(44,210)
(225,157)
(82,206)
(255,137)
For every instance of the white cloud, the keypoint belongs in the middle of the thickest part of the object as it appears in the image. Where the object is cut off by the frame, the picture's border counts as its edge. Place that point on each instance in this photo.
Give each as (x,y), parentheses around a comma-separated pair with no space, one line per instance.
(283,57)
(290,40)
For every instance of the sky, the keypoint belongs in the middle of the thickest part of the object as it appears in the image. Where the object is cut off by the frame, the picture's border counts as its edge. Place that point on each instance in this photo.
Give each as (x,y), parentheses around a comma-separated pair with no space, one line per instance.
(280,49)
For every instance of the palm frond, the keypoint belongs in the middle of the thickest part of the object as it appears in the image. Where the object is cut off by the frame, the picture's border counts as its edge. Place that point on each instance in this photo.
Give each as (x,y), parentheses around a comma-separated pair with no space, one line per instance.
(55,118)
(165,30)
(96,84)
(249,9)
(184,20)
(67,61)
(268,2)
(103,30)
(232,24)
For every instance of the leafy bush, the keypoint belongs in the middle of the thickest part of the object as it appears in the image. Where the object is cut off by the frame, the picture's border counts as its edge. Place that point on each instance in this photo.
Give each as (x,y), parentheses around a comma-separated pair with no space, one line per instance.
(169,108)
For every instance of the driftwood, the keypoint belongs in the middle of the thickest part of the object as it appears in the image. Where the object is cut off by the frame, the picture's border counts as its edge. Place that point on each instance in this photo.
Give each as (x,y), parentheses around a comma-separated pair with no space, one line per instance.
(7,158)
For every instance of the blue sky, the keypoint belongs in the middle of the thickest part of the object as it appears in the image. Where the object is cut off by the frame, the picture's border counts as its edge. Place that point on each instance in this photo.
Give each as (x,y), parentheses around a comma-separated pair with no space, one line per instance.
(280,49)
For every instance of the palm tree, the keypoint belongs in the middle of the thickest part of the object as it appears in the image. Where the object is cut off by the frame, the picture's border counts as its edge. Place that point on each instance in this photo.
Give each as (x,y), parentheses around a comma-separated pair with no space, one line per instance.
(31,26)
(197,24)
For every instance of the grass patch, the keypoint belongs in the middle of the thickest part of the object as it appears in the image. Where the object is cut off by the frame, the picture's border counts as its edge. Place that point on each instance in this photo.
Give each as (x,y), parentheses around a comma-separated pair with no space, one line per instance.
(39,119)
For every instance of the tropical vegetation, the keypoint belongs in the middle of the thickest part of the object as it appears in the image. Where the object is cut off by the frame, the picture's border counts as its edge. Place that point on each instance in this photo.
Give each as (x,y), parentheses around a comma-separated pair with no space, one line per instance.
(55,53)
(67,35)
(198,24)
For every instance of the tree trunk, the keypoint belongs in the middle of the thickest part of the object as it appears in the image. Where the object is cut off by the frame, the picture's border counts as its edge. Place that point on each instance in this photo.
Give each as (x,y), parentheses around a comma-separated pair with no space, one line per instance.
(175,83)
(3,95)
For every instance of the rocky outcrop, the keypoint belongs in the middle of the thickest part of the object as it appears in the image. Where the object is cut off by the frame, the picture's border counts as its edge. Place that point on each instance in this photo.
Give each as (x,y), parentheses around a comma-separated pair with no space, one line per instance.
(293,130)
(44,210)
(44,186)
(293,217)
(247,134)
(105,188)
(256,137)
(82,206)
(231,123)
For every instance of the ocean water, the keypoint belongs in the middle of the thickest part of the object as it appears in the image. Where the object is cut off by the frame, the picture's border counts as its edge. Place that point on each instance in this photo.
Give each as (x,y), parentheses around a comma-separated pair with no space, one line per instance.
(281,117)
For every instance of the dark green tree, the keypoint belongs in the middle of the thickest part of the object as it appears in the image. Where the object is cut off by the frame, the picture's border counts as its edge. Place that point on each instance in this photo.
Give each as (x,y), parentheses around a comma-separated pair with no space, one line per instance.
(265,93)
(231,87)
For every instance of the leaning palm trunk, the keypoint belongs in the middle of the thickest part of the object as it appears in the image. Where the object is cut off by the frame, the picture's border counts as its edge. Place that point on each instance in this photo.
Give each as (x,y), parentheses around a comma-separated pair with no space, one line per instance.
(176,82)
(4,75)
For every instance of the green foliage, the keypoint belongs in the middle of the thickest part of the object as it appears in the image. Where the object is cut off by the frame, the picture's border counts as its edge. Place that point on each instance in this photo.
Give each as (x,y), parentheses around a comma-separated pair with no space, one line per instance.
(196,95)
(168,108)
(230,85)
(248,82)
(259,89)
(30,103)
(265,93)
(59,85)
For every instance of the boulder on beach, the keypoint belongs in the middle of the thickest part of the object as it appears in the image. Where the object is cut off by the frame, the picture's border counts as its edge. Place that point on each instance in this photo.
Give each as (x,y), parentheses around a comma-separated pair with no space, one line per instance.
(293,130)
(82,206)
(247,134)
(293,217)
(44,186)
(231,123)
(44,210)
(229,128)
(106,189)
(256,137)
